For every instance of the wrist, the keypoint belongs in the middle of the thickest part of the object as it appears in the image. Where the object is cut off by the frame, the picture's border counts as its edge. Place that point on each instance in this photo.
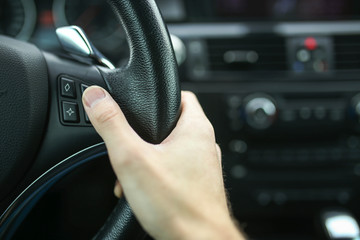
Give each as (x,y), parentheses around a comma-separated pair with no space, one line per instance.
(210,228)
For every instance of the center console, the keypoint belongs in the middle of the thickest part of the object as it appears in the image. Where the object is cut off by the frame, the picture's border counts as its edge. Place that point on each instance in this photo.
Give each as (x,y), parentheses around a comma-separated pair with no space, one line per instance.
(283,94)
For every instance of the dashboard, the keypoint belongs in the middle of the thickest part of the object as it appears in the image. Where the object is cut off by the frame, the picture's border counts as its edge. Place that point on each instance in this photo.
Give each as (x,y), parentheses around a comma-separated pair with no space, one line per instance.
(279,80)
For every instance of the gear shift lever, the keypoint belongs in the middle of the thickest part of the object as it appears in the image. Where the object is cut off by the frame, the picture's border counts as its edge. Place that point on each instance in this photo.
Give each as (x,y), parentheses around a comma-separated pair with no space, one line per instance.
(340,225)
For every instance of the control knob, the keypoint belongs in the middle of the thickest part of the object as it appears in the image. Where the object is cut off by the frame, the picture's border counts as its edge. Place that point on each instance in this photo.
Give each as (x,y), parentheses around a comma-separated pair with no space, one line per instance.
(260,112)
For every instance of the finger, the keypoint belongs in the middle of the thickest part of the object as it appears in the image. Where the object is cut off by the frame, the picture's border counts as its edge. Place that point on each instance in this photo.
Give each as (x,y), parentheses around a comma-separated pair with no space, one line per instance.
(190,105)
(191,112)
(218,151)
(118,191)
(109,121)
(105,115)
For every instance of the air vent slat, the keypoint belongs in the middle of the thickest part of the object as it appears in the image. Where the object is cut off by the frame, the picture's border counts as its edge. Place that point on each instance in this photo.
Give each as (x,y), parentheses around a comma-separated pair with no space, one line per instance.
(347,52)
(255,53)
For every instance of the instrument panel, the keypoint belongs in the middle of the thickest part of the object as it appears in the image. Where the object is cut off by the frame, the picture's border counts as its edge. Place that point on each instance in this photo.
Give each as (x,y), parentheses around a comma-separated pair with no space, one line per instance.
(36,20)
(17,18)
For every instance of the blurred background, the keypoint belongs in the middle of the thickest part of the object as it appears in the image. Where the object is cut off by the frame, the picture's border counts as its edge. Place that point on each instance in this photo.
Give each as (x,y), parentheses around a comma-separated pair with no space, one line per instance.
(279,80)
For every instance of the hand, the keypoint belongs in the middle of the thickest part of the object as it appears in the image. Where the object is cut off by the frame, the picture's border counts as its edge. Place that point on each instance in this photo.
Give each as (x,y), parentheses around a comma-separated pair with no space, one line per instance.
(176,188)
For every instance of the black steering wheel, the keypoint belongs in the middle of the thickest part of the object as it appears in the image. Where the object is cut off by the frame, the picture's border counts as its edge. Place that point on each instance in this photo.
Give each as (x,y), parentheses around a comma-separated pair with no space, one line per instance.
(43,122)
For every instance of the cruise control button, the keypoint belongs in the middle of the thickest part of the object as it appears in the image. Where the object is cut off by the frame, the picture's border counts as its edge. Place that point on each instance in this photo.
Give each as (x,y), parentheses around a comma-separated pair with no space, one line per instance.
(68,88)
(83,88)
(87,118)
(70,112)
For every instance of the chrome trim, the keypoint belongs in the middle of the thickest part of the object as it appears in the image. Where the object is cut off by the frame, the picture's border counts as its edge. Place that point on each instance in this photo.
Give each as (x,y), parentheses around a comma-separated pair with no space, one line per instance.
(209,30)
(74,40)
(179,49)
(317,28)
(233,29)
(341,225)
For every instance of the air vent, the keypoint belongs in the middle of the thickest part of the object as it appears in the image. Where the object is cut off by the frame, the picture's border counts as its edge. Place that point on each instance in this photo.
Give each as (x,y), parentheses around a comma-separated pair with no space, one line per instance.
(347,52)
(256,53)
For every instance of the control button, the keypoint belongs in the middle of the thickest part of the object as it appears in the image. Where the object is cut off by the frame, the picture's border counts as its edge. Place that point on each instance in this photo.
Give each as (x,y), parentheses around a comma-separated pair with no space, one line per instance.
(288,115)
(70,112)
(303,55)
(238,172)
(68,88)
(320,66)
(310,43)
(238,146)
(260,112)
(83,88)
(87,118)
(305,113)
(320,113)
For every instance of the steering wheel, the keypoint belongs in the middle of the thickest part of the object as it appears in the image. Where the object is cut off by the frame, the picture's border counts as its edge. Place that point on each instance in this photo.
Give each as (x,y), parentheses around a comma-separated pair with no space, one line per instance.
(44,124)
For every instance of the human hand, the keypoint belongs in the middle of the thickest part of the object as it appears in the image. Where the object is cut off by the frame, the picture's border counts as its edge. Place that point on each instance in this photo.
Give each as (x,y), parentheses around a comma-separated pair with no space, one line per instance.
(175,188)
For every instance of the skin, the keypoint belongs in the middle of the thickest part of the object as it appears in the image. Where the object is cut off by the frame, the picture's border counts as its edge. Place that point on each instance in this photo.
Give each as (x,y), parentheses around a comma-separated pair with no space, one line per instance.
(175,188)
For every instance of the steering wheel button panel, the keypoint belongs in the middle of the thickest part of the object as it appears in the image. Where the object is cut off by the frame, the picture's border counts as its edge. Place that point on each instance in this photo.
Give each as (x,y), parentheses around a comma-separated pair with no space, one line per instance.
(70,112)
(70,92)
(68,88)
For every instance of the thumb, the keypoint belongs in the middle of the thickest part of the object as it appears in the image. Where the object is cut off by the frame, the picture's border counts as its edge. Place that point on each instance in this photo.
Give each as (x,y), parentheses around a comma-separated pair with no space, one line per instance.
(111,124)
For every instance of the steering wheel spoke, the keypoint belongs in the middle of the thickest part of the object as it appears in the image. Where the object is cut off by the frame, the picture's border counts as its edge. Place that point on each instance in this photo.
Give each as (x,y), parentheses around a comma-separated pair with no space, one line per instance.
(68,129)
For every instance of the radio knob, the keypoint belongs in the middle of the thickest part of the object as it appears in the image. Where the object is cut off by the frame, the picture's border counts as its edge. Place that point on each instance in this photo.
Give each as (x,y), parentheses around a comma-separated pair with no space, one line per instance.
(260,112)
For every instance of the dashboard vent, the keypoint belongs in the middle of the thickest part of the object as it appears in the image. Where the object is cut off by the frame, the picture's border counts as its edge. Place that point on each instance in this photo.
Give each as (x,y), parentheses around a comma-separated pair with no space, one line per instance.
(255,53)
(347,52)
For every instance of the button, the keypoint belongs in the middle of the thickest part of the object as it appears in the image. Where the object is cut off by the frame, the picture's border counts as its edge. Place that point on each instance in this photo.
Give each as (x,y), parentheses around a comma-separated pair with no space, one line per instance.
(238,146)
(68,88)
(238,172)
(305,113)
(70,112)
(83,88)
(336,115)
(320,113)
(86,117)
(288,115)
(303,55)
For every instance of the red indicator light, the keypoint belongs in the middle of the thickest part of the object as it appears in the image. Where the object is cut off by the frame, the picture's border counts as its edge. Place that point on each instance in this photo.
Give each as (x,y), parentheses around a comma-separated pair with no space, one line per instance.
(46,18)
(310,43)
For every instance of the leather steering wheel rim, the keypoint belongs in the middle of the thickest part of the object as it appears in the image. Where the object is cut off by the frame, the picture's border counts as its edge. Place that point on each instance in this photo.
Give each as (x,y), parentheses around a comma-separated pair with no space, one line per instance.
(147,90)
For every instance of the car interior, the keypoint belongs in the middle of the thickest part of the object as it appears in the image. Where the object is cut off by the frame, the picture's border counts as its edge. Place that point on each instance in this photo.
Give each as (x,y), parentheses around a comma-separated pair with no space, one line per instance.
(278,79)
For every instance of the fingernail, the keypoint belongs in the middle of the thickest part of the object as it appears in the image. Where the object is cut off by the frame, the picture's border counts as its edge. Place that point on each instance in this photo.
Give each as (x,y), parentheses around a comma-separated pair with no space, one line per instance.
(93,95)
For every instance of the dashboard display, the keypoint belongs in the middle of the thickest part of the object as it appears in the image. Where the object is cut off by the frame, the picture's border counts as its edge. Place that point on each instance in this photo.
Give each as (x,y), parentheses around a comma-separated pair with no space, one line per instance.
(288,9)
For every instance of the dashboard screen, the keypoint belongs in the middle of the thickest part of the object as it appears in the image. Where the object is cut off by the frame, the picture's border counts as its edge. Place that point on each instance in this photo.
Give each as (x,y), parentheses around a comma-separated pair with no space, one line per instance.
(288,9)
